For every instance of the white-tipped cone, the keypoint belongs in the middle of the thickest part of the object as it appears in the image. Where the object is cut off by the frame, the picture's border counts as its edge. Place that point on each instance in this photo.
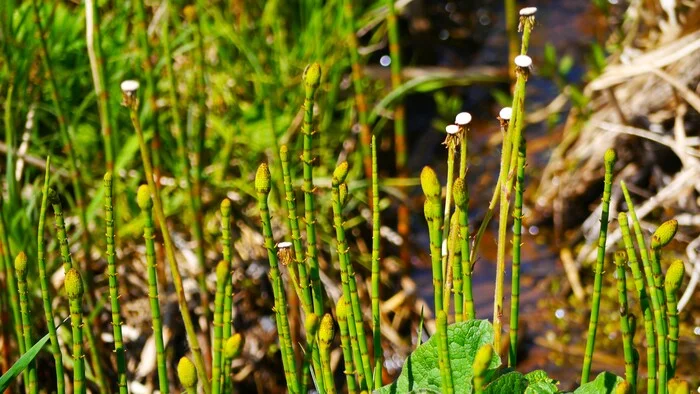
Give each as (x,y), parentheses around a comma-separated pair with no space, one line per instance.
(463,118)
(528,11)
(129,86)
(523,61)
(284,245)
(506,113)
(452,129)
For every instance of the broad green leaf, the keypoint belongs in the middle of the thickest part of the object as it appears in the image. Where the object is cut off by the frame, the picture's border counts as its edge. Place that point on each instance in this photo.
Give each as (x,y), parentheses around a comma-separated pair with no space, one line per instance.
(510,383)
(540,383)
(605,383)
(421,370)
(22,363)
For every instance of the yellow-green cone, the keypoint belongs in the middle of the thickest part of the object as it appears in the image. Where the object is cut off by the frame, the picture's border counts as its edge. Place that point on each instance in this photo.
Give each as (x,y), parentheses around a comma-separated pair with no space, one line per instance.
(664,234)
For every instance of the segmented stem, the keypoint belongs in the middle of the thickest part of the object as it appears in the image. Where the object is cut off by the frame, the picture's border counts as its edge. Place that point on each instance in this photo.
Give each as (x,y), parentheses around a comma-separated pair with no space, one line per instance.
(610,158)
(444,354)
(223,276)
(44,283)
(114,286)
(454,250)
(30,377)
(517,239)
(227,251)
(341,315)
(643,300)
(673,330)
(10,280)
(451,143)
(628,346)
(661,325)
(76,318)
(376,239)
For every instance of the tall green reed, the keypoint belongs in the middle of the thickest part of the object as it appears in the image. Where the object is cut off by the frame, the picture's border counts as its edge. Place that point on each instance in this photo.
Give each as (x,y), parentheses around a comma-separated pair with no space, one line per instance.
(311,326)
(223,272)
(464,300)
(451,142)
(144,201)
(129,89)
(627,332)
(432,211)
(30,374)
(444,353)
(341,314)
(672,283)
(74,290)
(517,239)
(376,239)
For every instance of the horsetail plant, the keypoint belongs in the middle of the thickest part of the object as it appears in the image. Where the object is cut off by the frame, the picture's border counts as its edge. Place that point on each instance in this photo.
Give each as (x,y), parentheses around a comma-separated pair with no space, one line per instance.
(227,251)
(643,300)
(114,286)
(45,286)
(517,239)
(223,271)
(74,290)
(431,189)
(143,198)
(444,353)
(461,197)
(129,90)
(11,282)
(454,254)
(262,189)
(480,366)
(349,286)
(674,277)
(233,348)
(311,325)
(187,374)
(312,79)
(376,311)
(341,313)
(609,161)
(325,337)
(627,332)
(30,377)
(451,142)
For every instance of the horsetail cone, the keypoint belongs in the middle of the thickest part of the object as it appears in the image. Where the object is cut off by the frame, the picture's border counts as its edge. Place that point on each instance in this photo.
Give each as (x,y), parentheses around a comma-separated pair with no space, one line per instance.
(343,194)
(234,346)
(187,373)
(326,330)
(312,76)
(340,173)
(73,284)
(222,271)
(459,192)
(678,386)
(262,179)
(143,197)
(225,207)
(664,234)
(311,324)
(430,183)
(610,159)
(674,276)
(21,266)
(341,310)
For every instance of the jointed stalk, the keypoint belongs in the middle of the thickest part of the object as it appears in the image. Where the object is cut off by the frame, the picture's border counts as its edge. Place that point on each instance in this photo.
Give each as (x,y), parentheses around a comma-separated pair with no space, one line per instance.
(341,313)
(517,236)
(433,215)
(223,272)
(311,325)
(376,239)
(643,300)
(454,253)
(444,354)
(233,347)
(325,337)
(452,142)
(227,251)
(11,281)
(144,201)
(630,369)
(262,188)
(44,283)
(461,196)
(114,287)
(349,286)
(610,159)
(132,103)
(30,379)
(674,277)
(74,289)
(312,79)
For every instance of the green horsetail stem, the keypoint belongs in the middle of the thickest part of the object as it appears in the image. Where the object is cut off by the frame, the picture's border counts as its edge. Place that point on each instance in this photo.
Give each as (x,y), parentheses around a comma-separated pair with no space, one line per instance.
(481,363)
(312,79)
(678,386)
(433,215)
(451,142)
(74,290)
(114,287)
(461,196)
(227,251)
(143,198)
(97,68)
(628,345)
(349,286)
(187,374)
(609,161)
(64,127)
(444,354)
(325,338)
(643,300)
(674,277)
(11,281)
(454,253)
(358,85)
(311,325)
(233,348)
(21,269)
(44,284)
(341,313)
(661,237)
(223,272)
(262,189)
(376,239)
(399,110)
(293,222)
(517,239)
(129,89)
